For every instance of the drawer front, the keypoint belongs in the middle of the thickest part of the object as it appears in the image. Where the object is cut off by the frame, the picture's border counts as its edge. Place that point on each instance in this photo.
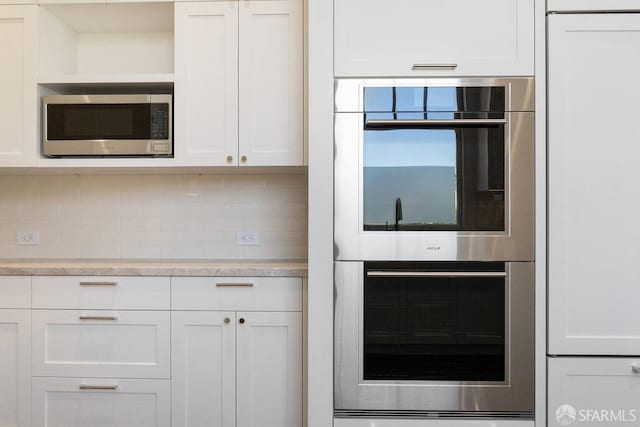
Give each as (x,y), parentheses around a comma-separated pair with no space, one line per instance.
(593,390)
(15,292)
(124,344)
(592,5)
(101,292)
(237,293)
(75,402)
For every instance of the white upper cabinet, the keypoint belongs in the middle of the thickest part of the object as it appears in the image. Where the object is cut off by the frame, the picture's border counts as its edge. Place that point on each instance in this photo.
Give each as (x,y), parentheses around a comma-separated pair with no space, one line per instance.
(238,83)
(206,83)
(594,60)
(271,87)
(19,108)
(426,38)
(578,5)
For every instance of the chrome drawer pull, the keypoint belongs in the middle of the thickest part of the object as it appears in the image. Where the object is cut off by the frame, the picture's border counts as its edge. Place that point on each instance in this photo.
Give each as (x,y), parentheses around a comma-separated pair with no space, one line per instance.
(98,387)
(436,274)
(433,66)
(98,283)
(83,317)
(635,369)
(234,285)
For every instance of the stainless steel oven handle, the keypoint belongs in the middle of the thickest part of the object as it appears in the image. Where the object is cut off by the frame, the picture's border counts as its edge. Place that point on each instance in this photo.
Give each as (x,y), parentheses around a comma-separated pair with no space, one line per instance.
(435,122)
(436,274)
(433,66)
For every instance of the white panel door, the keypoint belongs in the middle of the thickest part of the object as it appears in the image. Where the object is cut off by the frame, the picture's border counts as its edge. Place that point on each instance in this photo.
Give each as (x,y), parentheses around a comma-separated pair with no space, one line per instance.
(203,369)
(594,60)
(19,106)
(603,5)
(206,83)
(593,391)
(271,83)
(376,38)
(269,369)
(15,368)
(87,402)
(124,344)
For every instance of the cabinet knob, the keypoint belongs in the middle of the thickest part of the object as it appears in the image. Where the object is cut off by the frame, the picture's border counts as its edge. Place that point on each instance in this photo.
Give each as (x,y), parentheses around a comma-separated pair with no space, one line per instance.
(227,320)
(242,320)
(635,369)
(243,159)
(229,159)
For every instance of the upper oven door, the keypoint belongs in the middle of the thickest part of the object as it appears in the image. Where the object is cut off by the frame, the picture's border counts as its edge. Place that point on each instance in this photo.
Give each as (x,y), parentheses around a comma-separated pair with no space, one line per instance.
(434,337)
(438,172)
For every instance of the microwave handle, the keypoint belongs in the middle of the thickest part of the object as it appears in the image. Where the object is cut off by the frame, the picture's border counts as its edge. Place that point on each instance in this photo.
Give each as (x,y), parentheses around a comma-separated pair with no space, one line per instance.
(383,123)
(436,274)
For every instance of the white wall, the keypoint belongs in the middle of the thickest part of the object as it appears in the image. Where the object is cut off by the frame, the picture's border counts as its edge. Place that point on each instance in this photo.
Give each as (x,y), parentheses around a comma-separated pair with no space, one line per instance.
(154,216)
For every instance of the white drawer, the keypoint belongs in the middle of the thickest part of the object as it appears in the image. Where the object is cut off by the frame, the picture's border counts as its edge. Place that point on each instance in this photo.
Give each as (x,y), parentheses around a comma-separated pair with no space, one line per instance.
(15,292)
(120,344)
(236,293)
(101,292)
(75,402)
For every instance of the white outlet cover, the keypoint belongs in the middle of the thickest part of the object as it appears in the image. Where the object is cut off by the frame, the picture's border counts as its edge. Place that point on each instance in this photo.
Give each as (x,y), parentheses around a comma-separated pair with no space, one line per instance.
(28,237)
(248,238)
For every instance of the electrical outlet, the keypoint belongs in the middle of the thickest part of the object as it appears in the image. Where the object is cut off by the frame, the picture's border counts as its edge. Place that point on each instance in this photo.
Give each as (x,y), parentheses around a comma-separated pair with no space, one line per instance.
(28,238)
(248,238)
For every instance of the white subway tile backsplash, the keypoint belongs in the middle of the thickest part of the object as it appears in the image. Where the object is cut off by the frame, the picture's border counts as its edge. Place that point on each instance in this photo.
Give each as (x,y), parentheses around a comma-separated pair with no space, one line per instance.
(154,216)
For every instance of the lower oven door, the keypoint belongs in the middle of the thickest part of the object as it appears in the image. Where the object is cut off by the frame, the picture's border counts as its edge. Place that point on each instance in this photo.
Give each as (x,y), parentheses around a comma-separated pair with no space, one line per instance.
(443,338)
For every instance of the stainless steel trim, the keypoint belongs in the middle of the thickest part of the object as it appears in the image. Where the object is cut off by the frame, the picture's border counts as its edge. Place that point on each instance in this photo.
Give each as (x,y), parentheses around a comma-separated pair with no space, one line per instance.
(235,285)
(433,66)
(98,283)
(514,396)
(83,317)
(432,122)
(635,369)
(434,415)
(98,387)
(436,274)
(108,147)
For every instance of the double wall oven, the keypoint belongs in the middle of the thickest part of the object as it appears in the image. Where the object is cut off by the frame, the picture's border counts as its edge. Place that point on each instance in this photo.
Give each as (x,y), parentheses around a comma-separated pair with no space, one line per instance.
(434,225)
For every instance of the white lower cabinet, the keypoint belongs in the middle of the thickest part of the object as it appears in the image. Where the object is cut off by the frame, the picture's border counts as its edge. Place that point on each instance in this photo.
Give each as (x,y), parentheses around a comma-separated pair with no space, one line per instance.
(237,369)
(15,371)
(603,391)
(83,402)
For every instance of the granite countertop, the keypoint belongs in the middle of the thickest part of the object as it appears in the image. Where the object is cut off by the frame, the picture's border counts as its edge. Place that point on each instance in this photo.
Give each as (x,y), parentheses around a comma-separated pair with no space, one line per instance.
(249,268)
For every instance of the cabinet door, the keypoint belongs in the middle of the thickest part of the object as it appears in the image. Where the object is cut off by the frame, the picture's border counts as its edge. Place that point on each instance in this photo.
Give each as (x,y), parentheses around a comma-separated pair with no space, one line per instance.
(87,402)
(203,369)
(271,83)
(206,83)
(269,369)
(19,106)
(602,391)
(459,37)
(593,151)
(15,369)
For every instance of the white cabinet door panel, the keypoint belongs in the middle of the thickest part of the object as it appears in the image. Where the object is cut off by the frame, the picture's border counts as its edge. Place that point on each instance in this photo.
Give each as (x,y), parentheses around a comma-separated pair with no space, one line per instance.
(125,344)
(271,83)
(206,83)
(269,369)
(374,38)
(15,368)
(15,292)
(594,60)
(19,107)
(593,388)
(203,369)
(71,402)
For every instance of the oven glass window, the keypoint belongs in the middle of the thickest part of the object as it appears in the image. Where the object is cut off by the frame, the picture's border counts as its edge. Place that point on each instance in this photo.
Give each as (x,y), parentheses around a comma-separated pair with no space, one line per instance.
(420,173)
(434,328)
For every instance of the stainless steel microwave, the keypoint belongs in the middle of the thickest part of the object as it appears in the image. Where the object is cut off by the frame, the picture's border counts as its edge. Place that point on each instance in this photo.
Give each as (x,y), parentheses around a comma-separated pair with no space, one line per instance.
(437,169)
(137,125)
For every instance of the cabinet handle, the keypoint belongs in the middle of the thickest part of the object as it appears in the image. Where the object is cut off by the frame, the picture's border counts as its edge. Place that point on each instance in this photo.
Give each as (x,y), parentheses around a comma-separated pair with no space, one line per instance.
(98,283)
(635,369)
(227,320)
(83,317)
(242,320)
(229,159)
(434,66)
(243,159)
(235,285)
(98,387)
